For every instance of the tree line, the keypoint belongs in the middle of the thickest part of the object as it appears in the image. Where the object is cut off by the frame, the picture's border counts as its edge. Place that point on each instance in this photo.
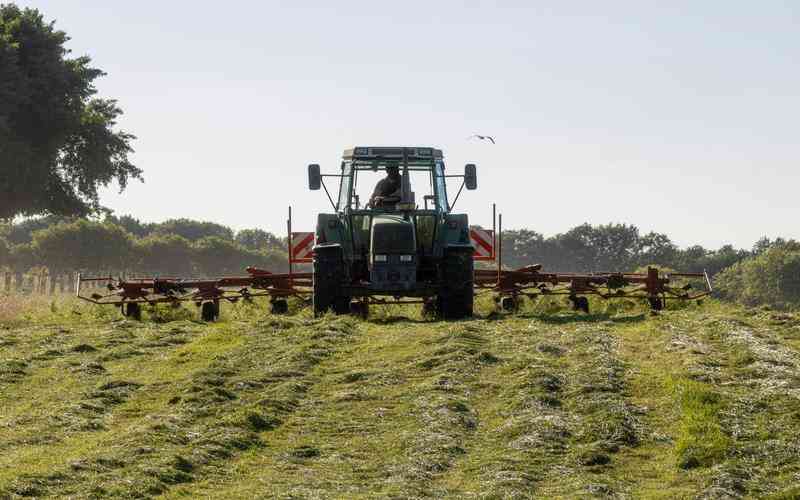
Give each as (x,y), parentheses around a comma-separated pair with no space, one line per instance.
(117,245)
(771,277)
(617,247)
(188,247)
(45,253)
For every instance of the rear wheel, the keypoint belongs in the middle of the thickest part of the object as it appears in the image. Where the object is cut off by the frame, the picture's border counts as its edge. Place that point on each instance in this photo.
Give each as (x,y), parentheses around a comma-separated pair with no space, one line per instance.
(279,306)
(329,275)
(580,303)
(133,310)
(656,303)
(510,304)
(209,311)
(456,296)
(360,309)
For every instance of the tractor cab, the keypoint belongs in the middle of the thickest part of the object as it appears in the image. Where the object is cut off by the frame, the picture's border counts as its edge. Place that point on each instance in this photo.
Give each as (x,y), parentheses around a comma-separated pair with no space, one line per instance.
(392,241)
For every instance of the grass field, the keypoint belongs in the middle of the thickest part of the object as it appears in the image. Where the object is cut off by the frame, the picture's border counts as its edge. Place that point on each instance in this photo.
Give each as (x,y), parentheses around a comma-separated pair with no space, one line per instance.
(696,402)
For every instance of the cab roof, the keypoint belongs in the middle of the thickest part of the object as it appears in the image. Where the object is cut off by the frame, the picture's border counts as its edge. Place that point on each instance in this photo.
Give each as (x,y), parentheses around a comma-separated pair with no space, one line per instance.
(415,153)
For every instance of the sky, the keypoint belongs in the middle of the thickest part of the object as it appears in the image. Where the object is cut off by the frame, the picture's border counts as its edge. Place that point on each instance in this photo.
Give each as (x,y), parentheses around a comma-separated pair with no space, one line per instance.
(679,117)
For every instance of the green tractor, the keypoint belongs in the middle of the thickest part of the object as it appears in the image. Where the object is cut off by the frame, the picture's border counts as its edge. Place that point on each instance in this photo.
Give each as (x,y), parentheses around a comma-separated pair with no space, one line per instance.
(391,249)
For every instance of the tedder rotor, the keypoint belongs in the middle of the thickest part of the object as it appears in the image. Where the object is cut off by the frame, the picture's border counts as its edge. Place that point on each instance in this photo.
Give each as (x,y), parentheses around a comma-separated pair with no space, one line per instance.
(391,250)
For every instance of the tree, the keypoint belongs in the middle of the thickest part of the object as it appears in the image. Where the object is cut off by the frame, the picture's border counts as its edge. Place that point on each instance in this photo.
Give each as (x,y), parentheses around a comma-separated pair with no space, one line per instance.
(83,245)
(656,249)
(21,258)
(130,224)
(718,260)
(576,252)
(522,247)
(216,256)
(615,246)
(5,254)
(193,230)
(259,240)
(770,277)
(690,260)
(57,142)
(164,255)
(22,232)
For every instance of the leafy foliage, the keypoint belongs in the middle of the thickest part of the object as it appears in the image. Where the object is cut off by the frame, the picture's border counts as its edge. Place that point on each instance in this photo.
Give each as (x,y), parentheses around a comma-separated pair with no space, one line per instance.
(83,245)
(193,230)
(164,255)
(179,247)
(5,251)
(612,247)
(215,255)
(772,277)
(258,239)
(131,224)
(57,141)
(22,231)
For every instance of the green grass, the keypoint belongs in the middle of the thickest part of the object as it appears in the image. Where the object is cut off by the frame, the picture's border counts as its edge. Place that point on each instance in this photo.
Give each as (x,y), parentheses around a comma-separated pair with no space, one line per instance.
(547,403)
(701,440)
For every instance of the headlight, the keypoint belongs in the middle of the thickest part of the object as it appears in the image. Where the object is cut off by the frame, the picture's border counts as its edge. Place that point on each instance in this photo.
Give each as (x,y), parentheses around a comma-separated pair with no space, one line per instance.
(381,258)
(406,258)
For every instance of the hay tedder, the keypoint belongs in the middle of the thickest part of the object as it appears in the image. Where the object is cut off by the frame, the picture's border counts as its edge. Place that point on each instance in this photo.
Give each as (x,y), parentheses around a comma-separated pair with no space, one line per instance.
(390,250)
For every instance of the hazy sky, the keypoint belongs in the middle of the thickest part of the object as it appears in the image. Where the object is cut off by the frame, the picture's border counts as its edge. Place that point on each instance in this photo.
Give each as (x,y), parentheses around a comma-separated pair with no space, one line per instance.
(679,117)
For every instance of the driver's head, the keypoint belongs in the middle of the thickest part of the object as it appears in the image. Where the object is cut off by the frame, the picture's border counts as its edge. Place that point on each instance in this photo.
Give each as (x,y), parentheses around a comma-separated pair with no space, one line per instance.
(392,171)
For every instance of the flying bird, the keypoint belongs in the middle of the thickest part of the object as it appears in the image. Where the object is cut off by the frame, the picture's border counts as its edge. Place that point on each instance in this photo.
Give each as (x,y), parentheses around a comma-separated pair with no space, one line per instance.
(482,137)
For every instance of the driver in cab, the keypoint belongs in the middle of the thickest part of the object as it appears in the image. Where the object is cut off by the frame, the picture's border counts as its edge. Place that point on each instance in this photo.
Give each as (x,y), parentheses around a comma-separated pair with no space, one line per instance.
(388,187)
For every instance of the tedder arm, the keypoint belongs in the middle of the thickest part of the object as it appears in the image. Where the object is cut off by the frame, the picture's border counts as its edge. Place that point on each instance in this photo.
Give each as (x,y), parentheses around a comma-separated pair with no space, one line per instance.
(131,293)
(509,287)
(530,281)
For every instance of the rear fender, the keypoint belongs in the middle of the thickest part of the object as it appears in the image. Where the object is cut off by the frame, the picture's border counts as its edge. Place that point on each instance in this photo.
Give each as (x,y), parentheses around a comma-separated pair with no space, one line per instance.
(455,231)
(330,229)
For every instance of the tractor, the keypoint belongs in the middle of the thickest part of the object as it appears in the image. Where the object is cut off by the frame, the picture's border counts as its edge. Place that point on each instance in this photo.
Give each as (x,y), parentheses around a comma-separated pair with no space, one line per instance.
(396,247)
(393,247)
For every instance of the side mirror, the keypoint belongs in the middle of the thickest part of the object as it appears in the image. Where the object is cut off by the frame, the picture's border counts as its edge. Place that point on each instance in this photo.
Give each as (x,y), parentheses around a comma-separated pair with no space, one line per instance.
(470,176)
(314,177)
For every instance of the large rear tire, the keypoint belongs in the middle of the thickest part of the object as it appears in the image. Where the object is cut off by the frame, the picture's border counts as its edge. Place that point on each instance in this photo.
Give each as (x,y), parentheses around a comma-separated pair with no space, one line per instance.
(456,295)
(329,276)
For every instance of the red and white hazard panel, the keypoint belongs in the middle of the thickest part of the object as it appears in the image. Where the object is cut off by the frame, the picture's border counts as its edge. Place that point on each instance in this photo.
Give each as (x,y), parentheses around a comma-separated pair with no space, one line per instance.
(302,247)
(483,241)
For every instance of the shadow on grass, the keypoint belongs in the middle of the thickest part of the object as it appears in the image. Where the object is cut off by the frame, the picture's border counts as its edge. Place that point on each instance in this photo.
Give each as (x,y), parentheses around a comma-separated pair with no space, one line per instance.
(584,318)
(390,320)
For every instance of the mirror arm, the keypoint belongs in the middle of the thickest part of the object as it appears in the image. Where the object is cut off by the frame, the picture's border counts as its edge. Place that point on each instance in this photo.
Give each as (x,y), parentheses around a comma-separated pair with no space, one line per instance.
(458,193)
(327,193)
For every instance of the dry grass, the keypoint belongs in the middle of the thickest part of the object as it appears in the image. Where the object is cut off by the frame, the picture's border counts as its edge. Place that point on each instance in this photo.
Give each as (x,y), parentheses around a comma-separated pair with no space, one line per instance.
(22,309)
(14,307)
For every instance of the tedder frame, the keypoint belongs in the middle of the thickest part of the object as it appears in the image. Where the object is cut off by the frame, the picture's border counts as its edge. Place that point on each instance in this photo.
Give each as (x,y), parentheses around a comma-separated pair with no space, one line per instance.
(507,285)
